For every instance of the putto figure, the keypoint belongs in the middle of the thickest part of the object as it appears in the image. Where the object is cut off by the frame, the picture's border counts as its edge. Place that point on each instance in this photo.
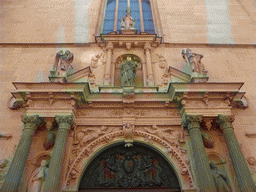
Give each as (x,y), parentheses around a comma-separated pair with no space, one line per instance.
(128,69)
(194,60)
(62,65)
(128,23)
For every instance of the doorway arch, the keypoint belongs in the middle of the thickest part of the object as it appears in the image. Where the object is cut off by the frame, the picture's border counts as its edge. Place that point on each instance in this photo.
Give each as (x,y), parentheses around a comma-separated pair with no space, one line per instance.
(136,168)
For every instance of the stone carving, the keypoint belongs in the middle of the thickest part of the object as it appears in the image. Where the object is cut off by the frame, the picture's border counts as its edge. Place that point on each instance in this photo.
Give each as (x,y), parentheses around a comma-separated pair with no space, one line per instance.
(128,130)
(65,119)
(61,67)
(162,133)
(38,177)
(163,65)
(194,60)
(251,161)
(4,166)
(220,178)
(127,22)
(208,142)
(128,168)
(32,121)
(5,136)
(95,132)
(49,140)
(128,69)
(95,59)
(177,152)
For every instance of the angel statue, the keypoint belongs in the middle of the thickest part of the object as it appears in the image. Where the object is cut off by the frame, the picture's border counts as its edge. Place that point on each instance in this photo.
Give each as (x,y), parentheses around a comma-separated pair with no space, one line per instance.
(127,22)
(62,65)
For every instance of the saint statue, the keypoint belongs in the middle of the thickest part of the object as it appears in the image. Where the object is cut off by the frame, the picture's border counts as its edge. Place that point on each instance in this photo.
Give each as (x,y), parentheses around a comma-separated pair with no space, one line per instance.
(128,71)
(128,23)
(62,65)
(39,177)
(194,60)
(220,178)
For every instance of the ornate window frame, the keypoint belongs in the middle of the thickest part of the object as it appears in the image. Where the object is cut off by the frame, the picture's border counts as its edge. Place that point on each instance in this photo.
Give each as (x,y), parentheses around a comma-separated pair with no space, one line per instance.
(155,17)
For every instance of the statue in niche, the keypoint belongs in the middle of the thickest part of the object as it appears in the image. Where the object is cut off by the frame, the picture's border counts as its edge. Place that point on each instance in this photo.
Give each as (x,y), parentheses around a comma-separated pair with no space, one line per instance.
(127,22)
(220,178)
(194,60)
(128,70)
(39,177)
(62,65)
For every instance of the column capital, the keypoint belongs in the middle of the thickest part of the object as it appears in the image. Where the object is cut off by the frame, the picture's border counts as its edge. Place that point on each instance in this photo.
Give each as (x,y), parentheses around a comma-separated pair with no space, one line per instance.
(109,46)
(147,47)
(225,121)
(31,122)
(191,121)
(64,121)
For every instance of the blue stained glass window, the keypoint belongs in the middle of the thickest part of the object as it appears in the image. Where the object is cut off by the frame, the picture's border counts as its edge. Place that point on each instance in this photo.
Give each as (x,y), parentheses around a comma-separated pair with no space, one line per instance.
(135,13)
(122,7)
(109,17)
(147,17)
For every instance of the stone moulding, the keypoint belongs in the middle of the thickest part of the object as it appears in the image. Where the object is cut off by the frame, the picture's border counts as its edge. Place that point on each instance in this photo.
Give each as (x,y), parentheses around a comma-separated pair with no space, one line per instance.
(170,150)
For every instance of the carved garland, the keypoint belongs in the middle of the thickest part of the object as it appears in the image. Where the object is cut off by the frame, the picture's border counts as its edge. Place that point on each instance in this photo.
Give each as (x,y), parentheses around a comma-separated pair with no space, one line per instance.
(172,149)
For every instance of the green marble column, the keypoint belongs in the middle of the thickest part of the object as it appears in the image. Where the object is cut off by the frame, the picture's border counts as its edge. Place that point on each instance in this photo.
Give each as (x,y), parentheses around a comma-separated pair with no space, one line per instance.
(51,183)
(204,178)
(240,166)
(14,174)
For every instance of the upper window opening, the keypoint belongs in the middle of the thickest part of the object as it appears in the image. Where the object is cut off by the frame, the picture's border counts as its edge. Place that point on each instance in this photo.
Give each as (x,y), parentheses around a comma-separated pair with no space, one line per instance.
(140,12)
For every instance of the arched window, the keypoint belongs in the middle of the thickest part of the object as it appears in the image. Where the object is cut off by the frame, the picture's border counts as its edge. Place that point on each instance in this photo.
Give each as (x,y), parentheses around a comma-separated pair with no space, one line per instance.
(115,10)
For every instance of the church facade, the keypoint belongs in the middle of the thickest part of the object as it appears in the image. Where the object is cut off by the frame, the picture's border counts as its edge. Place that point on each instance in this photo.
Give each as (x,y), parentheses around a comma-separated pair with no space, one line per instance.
(128,95)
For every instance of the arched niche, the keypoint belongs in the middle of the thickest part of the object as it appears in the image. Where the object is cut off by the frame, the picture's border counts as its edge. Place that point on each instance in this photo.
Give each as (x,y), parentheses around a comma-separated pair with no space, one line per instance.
(139,73)
(136,168)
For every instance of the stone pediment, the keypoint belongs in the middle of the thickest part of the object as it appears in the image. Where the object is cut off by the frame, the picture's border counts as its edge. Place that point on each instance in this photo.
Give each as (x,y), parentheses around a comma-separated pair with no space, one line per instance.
(82,75)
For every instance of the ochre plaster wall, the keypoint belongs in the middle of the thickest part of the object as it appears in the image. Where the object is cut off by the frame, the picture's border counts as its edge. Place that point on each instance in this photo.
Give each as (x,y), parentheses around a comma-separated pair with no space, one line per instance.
(184,21)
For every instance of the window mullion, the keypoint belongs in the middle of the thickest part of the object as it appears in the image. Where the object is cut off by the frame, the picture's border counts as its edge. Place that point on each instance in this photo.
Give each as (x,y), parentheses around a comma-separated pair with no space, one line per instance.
(141,17)
(116,13)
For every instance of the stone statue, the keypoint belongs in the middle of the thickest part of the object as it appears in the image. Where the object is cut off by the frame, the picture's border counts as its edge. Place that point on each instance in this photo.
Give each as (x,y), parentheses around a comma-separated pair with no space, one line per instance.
(208,142)
(39,177)
(4,165)
(194,60)
(62,65)
(128,71)
(128,130)
(220,178)
(128,23)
